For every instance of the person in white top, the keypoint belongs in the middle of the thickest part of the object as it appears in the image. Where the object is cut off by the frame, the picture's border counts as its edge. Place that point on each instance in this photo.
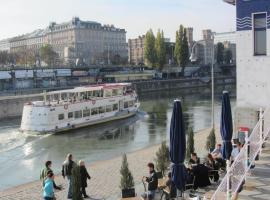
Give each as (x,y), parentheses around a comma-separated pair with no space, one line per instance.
(216,153)
(236,150)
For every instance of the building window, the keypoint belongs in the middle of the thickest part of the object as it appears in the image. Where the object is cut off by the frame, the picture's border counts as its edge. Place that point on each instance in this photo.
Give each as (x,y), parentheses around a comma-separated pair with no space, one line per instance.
(70,115)
(61,116)
(78,114)
(259,34)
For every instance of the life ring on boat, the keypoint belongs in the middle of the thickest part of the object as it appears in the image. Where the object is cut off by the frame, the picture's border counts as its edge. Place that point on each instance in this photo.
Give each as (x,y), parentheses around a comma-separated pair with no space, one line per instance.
(65,106)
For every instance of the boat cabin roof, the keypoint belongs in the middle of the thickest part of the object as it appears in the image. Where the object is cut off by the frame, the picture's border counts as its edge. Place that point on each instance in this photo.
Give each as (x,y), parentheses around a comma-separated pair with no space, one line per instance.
(91,88)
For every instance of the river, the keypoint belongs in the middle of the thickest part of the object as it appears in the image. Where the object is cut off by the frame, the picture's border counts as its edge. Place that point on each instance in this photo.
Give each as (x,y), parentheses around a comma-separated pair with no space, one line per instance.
(22,156)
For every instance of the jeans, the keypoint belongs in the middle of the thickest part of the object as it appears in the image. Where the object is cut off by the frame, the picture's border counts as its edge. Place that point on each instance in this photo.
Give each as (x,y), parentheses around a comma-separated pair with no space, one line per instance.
(69,186)
(150,194)
(48,198)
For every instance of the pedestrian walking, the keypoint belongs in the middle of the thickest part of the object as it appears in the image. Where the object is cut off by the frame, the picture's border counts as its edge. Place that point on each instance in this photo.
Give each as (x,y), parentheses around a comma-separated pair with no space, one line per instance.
(84,177)
(67,172)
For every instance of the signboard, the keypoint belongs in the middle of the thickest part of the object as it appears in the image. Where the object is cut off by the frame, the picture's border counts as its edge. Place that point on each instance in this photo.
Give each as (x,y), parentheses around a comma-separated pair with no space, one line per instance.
(45,73)
(24,74)
(63,72)
(5,75)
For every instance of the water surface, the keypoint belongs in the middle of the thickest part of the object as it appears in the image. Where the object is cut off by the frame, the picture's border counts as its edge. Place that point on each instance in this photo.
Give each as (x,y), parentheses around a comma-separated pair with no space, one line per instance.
(22,156)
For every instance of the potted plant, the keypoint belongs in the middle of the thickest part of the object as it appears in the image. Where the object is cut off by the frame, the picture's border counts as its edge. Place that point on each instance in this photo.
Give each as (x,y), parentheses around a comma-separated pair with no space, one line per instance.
(127,182)
(162,158)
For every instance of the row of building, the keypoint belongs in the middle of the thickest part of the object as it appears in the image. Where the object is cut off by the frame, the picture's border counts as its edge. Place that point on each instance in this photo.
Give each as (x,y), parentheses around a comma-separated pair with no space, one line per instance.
(91,41)
(202,48)
(94,43)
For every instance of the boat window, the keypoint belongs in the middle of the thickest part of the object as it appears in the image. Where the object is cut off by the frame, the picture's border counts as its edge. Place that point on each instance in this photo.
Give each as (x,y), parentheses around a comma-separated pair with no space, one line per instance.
(61,116)
(114,92)
(86,113)
(78,114)
(70,115)
(101,109)
(90,94)
(130,103)
(108,93)
(97,93)
(94,111)
(64,96)
(120,92)
(115,107)
(83,95)
(109,108)
(126,104)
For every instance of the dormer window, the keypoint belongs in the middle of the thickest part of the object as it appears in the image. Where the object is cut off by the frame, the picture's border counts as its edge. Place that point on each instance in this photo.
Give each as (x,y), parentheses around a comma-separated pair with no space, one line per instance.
(260,26)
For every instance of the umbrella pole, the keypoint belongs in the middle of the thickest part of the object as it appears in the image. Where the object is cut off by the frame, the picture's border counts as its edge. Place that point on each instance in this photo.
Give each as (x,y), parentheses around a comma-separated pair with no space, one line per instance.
(229,192)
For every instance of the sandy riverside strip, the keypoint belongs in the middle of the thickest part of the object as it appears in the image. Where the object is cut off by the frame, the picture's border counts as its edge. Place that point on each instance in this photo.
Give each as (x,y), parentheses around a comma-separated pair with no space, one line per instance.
(105,174)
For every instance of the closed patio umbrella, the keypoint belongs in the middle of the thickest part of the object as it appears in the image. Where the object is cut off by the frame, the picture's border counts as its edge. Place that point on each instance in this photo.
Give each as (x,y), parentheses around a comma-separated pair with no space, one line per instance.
(226,126)
(226,130)
(177,146)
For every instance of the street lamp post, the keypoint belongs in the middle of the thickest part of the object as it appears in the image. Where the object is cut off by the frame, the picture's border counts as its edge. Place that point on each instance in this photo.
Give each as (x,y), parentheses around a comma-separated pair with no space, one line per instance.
(193,58)
(213,82)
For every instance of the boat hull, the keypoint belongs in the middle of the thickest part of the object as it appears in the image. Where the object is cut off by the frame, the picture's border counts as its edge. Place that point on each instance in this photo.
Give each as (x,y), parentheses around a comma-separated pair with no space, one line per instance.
(82,125)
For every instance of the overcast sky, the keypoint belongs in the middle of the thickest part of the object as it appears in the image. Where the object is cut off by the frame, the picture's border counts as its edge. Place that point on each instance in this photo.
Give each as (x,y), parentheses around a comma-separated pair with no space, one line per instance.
(136,16)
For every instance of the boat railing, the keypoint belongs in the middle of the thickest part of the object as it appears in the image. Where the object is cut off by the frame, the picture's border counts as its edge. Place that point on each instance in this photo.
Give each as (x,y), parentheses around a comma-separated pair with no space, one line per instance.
(237,172)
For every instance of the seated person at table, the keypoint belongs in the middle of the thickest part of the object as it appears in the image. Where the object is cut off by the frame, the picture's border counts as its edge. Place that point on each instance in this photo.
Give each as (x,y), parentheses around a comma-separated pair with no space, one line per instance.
(217,151)
(212,165)
(152,181)
(194,159)
(171,186)
(200,172)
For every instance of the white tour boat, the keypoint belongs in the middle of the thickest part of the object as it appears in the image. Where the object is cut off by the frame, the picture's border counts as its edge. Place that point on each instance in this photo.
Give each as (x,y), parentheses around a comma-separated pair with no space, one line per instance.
(79,107)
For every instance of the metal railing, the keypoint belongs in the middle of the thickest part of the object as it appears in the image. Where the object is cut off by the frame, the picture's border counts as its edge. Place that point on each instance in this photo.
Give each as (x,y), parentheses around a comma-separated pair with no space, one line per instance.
(237,172)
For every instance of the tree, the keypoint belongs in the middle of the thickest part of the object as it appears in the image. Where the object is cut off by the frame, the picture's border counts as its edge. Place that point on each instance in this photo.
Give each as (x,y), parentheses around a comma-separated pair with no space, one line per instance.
(149,48)
(162,158)
(127,181)
(181,51)
(160,49)
(76,183)
(177,49)
(228,56)
(220,53)
(211,140)
(184,51)
(3,57)
(48,55)
(190,143)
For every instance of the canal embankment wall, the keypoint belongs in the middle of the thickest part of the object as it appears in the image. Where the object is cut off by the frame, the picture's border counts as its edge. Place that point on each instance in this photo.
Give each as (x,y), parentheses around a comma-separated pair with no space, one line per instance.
(12,106)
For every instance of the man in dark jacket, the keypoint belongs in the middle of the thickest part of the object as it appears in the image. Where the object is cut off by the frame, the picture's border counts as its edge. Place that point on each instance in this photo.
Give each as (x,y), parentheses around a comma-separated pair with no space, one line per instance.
(84,177)
(152,181)
(67,172)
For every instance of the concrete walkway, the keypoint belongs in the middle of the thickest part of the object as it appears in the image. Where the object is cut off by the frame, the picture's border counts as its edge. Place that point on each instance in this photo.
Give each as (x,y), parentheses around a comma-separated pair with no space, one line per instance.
(258,183)
(105,175)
